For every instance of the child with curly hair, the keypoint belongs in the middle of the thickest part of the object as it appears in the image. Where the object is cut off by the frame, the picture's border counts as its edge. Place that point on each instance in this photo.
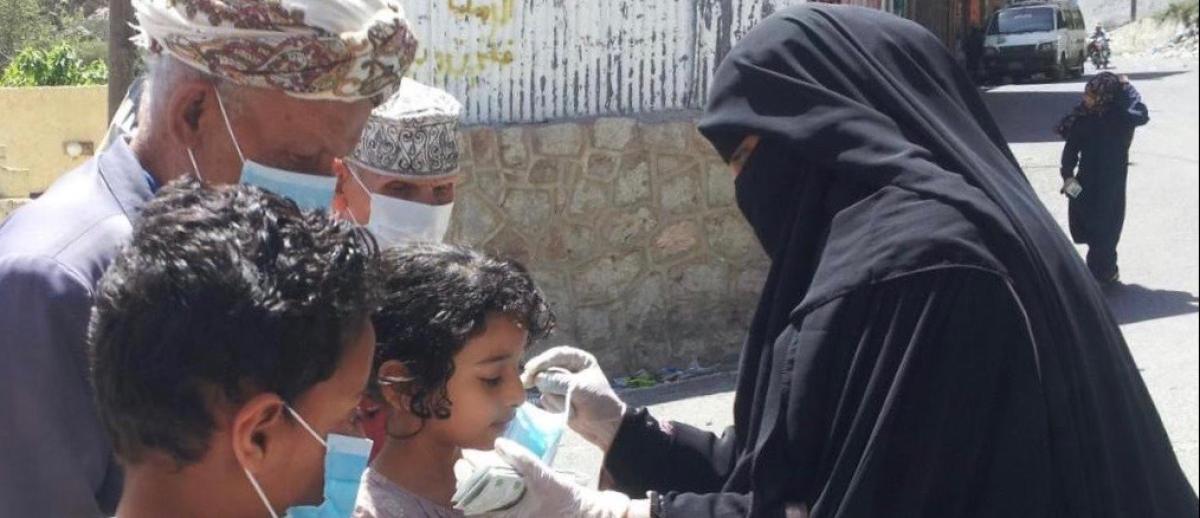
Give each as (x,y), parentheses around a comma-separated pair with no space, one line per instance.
(451,336)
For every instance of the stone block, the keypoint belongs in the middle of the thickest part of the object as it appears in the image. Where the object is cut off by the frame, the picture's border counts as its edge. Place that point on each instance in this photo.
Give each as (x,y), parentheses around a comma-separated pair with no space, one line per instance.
(589,197)
(569,243)
(718,185)
(705,329)
(751,280)
(605,278)
(510,244)
(565,139)
(476,217)
(631,227)
(633,180)
(668,164)
(667,137)
(529,210)
(613,133)
(730,237)
(709,277)
(489,182)
(514,151)
(680,194)
(483,146)
(602,166)
(549,171)
(465,157)
(643,338)
(677,240)
(649,293)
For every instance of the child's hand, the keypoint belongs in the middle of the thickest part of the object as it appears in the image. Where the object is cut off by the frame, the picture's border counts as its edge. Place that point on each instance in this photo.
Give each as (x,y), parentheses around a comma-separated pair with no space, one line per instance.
(596,411)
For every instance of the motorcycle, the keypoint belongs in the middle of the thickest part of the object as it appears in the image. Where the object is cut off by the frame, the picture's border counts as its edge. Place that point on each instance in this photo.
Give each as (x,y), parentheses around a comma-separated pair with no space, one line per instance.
(1099,52)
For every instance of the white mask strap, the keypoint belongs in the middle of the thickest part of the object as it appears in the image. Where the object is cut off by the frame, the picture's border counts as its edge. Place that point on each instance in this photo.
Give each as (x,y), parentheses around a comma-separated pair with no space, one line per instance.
(229,127)
(261,495)
(304,423)
(195,168)
(367,191)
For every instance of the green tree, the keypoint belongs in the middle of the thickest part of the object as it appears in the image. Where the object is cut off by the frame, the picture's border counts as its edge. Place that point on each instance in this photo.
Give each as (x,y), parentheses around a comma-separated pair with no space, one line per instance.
(59,66)
(22,23)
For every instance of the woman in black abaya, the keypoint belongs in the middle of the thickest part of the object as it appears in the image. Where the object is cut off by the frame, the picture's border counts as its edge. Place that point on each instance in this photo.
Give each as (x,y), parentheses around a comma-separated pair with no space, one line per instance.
(927,342)
(1098,134)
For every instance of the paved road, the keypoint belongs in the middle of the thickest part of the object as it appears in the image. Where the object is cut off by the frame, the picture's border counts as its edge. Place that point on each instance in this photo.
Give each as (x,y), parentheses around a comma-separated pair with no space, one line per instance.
(1157,307)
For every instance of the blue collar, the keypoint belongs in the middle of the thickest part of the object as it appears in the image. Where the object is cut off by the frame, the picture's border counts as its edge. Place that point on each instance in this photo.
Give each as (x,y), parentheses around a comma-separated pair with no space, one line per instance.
(130,184)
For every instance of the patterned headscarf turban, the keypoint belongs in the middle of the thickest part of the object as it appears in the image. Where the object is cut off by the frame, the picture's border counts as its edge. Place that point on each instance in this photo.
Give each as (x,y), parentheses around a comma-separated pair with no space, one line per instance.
(344,50)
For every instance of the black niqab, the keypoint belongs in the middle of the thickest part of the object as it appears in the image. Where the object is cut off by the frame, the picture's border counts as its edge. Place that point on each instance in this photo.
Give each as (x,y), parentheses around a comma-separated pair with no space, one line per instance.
(854,106)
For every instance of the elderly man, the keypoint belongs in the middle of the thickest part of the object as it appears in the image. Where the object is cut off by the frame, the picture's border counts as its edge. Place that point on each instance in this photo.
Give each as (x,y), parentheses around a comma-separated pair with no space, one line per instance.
(400,180)
(267,88)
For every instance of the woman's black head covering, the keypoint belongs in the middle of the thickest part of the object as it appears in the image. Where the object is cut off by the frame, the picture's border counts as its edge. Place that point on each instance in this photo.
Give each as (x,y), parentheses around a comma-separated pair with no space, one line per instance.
(879,159)
(1105,89)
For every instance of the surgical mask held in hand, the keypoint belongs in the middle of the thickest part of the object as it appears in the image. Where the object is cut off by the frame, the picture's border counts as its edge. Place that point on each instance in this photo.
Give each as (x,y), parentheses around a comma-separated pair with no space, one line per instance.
(492,485)
(485,484)
(537,430)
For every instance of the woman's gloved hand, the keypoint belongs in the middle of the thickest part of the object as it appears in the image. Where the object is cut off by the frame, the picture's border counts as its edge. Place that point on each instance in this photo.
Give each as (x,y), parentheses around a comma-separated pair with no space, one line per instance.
(550,494)
(596,411)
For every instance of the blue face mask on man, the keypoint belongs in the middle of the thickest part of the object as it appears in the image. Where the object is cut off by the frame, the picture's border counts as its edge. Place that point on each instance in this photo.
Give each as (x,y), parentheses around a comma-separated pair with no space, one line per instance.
(309,191)
(345,461)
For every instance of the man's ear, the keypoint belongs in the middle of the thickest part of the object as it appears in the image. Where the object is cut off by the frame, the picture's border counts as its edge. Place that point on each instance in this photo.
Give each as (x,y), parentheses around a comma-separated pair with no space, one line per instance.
(255,425)
(397,383)
(191,105)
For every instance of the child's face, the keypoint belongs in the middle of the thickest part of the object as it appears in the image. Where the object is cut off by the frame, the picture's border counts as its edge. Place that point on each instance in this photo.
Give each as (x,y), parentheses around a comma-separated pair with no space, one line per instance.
(485,389)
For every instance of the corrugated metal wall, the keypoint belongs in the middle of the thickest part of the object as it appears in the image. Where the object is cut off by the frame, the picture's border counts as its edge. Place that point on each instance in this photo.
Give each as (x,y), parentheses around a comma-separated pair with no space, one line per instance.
(514,61)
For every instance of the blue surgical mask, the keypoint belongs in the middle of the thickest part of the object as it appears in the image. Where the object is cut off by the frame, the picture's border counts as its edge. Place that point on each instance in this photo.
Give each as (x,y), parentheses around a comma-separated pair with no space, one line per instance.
(309,191)
(345,461)
(537,430)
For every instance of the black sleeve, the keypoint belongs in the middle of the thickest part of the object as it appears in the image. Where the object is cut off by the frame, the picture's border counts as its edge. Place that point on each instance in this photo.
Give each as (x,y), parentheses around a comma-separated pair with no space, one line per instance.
(1070,154)
(1138,113)
(647,455)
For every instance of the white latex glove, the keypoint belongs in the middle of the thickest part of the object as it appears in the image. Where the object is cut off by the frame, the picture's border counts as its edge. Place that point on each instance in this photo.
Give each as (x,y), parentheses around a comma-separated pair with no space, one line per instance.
(549,494)
(596,411)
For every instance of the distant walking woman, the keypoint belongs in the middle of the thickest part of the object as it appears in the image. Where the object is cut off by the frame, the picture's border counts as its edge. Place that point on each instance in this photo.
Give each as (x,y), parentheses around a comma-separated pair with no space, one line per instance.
(1099,132)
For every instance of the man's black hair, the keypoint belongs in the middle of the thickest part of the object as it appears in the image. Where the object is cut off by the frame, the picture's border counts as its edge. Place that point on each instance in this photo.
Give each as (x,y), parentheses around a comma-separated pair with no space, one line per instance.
(438,297)
(224,292)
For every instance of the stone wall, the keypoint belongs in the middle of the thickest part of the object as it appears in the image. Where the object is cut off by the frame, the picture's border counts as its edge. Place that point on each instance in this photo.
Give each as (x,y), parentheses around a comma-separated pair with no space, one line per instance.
(629,226)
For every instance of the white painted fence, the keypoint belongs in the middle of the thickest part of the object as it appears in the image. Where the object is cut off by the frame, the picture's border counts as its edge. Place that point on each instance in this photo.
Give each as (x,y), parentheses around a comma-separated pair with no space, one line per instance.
(514,61)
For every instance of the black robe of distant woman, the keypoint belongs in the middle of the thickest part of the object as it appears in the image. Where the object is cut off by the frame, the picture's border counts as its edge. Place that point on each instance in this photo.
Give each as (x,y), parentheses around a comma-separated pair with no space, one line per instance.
(927,343)
(1098,143)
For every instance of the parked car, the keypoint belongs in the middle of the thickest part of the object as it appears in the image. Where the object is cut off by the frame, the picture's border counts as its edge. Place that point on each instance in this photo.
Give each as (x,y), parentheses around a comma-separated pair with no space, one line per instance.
(1031,37)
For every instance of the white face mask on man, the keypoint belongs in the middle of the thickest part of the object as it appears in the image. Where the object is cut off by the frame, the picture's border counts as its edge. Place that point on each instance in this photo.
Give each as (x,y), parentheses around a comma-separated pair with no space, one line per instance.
(395,221)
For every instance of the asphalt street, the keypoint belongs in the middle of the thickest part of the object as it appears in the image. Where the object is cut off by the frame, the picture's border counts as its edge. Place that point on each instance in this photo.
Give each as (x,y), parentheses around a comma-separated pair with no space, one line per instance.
(1157,304)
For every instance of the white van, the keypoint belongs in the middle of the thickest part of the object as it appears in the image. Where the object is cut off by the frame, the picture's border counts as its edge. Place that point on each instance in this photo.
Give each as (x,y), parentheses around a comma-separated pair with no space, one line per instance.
(1036,37)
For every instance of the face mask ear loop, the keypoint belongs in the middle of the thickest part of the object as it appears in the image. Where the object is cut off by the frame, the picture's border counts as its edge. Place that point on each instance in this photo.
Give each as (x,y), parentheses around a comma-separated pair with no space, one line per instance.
(354,174)
(261,495)
(195,168)
(305,425)
(229,127)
